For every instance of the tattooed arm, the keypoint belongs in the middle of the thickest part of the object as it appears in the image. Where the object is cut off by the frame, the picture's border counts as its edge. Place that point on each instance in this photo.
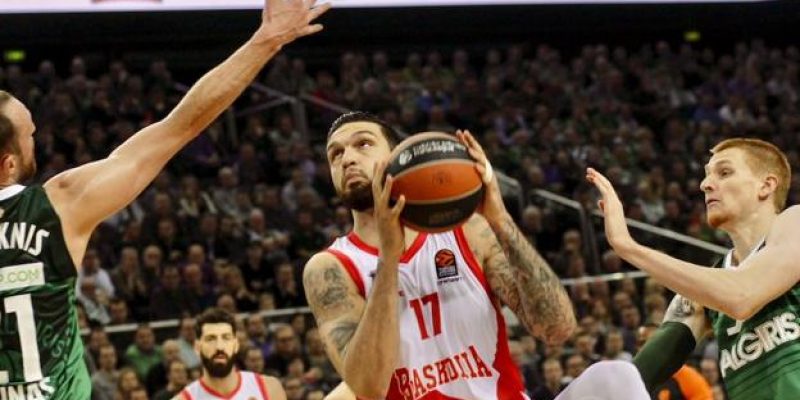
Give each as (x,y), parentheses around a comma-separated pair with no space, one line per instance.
(361,338)
(521,278)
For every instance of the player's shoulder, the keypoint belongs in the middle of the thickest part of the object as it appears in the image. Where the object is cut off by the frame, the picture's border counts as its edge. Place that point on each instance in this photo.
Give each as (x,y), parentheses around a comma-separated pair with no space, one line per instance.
(320,261)
(785,225)
(791,212)
(273,386)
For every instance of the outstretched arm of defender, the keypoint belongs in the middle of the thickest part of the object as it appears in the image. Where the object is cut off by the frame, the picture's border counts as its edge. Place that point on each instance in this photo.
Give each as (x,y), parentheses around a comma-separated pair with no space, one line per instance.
(86,195)
(738,292)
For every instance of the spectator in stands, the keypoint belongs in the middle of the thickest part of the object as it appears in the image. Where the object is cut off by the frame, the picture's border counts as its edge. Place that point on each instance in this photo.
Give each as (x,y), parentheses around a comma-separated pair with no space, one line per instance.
(177,379)
(294,388)
(709,368)
(118,312)
(186,339)
(127,383)
(143,353)
(585,346)
(104,380)
(286,347)
(171,300)
(315,354)
(615,346)
(288,293)
(553,380)
(257,334)
(158,374)
(254,360)
(257,273)
(93,300)
(576,364)
(226,302)
(234,285)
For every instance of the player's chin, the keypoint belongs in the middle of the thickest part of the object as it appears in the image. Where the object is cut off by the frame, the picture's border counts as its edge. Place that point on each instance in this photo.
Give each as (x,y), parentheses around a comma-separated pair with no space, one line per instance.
(716,218)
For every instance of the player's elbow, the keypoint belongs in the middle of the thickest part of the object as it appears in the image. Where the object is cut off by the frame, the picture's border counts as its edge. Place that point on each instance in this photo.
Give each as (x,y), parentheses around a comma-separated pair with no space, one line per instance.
(559,334)
(741,306)
(742,312)
(367,384)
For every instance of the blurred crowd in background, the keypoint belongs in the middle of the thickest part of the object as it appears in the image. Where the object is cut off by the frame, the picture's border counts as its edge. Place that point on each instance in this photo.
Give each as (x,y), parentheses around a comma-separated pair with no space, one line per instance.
(234,217)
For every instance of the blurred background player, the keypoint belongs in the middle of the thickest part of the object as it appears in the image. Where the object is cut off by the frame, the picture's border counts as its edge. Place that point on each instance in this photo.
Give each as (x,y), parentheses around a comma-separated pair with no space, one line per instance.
(217,346)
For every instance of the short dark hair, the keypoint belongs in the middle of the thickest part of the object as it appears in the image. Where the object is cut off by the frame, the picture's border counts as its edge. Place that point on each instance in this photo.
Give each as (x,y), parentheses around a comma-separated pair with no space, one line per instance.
(214,315)
(360,116)
(7,132)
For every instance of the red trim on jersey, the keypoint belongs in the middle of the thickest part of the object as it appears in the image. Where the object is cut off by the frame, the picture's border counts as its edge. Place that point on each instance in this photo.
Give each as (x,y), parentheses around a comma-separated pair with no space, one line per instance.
(407,255)
(412,251)
(220,395)
(351,269)
(261,386)
(474,265)
(509,384)
(186,394)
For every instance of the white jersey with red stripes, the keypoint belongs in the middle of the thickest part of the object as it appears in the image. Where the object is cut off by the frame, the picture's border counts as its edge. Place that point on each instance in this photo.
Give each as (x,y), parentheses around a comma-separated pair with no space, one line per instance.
(250,387)
(453,341)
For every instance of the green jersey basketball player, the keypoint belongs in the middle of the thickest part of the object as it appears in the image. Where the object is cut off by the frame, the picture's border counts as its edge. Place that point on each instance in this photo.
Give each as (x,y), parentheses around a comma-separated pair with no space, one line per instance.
(751,300)
(44,229)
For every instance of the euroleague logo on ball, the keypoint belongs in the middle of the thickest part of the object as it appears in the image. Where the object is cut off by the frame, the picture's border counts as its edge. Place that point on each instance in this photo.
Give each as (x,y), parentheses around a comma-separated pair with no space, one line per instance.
(445,262)
(405,157)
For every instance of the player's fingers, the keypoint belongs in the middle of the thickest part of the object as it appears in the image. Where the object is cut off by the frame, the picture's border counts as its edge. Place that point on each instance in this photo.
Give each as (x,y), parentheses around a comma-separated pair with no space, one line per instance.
(473,142)
(387,190)
(399,205)
(601,205)
(376,181)
(309,30)
(319,10)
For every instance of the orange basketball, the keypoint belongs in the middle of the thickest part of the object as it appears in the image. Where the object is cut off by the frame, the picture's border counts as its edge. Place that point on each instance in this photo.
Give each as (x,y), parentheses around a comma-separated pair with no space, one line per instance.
(438,178)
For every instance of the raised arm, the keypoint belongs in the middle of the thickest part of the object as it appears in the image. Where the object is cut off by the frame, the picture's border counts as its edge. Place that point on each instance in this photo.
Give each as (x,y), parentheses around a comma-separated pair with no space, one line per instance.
(516,272)
(86,195)
(738,292)
(685,324)
(346,322)
(522,279)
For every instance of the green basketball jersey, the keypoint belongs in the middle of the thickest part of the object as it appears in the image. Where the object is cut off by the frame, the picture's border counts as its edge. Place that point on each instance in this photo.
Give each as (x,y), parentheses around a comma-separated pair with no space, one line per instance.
(41,353)
(760,357)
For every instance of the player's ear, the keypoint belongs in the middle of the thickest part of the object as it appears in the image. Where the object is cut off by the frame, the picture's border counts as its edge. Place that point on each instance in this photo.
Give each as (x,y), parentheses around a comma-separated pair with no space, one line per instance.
(768,186)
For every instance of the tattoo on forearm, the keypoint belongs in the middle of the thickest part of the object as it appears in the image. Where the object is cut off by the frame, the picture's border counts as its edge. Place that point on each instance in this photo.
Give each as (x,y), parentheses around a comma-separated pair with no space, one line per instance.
(528,280)
(681,308)
(342,334)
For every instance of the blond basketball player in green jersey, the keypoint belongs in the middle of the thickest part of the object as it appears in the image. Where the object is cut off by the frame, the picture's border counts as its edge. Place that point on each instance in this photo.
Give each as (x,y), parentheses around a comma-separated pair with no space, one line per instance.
(752,298)
(44,229)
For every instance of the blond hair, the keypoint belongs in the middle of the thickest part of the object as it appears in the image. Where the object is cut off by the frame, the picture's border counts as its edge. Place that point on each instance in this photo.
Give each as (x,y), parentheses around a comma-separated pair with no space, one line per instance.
(763,158)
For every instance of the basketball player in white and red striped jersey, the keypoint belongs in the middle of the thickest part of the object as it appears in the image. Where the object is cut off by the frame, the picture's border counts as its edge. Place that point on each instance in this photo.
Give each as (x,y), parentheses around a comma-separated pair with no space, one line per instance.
(409,315)
(217,346)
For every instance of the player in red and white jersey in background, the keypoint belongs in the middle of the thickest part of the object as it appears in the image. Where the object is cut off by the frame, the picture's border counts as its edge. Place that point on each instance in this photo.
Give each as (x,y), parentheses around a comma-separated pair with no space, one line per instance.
(217,346)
